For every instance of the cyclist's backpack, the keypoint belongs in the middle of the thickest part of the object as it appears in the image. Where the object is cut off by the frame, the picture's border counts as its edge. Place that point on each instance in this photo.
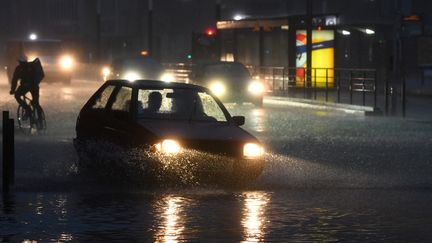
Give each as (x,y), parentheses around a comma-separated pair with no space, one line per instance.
(38,71)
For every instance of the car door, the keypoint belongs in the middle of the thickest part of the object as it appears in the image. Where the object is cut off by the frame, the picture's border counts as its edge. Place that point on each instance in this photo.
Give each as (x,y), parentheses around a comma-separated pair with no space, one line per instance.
(119,127)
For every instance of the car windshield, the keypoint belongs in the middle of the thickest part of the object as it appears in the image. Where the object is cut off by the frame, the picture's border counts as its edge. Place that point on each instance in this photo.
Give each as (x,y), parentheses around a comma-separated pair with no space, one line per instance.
(226,70)
(179,104)
(143,64)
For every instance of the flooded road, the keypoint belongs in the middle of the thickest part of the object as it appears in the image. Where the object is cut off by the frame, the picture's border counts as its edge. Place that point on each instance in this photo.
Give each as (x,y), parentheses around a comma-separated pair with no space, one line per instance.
(219,215)
(330,176)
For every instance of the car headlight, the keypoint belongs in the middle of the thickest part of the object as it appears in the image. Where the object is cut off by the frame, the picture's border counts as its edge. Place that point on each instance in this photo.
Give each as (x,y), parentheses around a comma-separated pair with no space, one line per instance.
(131,76)
(218,88)
(256,87)
(253,150)
(169,146)
(66,63)
(167,77)
(106,71)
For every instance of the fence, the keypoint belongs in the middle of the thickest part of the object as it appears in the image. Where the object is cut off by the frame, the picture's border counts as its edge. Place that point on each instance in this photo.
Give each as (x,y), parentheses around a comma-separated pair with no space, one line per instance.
(353,86)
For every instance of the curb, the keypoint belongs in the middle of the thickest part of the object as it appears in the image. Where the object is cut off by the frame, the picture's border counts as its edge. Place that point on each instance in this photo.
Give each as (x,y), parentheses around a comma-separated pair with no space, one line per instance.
(314,104)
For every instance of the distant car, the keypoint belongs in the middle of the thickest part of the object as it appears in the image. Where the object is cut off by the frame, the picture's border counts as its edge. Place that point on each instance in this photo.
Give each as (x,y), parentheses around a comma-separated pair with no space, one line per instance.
(229,81)
(57,63)
(174,122)
(136,68)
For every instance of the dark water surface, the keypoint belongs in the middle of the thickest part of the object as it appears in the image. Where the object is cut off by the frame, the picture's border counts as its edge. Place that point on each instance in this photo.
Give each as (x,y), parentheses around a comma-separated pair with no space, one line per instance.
(201,214)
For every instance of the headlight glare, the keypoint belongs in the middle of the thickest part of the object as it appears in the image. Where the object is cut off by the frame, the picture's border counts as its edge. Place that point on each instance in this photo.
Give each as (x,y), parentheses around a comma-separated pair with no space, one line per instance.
(66,63)
(253,150)
(169,146)
(106,71)
(256,87)
(167,77)
(218,88)
(131,76)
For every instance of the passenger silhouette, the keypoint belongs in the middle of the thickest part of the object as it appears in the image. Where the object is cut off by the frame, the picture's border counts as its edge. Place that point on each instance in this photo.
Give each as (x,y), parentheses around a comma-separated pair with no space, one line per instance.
(154,103)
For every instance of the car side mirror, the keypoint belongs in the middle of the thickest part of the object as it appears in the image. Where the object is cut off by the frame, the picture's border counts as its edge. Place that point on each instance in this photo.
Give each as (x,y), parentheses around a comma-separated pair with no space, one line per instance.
(238,120)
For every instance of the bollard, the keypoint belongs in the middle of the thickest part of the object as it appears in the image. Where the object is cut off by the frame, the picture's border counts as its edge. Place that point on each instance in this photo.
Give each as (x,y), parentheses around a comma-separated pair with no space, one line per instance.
(8,152)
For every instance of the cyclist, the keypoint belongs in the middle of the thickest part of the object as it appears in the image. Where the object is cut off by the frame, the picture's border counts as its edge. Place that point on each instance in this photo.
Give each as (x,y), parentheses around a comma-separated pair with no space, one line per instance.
(30,74)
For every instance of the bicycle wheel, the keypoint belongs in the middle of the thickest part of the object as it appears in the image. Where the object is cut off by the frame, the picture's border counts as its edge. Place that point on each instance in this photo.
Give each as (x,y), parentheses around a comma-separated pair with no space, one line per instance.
(39,118)
(24,122)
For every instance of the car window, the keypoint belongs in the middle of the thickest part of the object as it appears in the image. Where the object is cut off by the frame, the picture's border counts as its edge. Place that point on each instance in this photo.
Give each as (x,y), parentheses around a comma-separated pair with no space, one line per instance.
(178,104)
(211,107)
(102,99)
(226,70)
(152,102)
(122,100)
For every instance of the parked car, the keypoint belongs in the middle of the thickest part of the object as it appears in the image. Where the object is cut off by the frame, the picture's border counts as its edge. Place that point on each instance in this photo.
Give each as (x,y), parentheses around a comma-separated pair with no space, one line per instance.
(136,68)
(229,81)
(174,123)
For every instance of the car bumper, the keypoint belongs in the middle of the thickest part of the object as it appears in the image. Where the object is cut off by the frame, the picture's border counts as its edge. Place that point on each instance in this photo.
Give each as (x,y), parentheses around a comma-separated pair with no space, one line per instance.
(189,166)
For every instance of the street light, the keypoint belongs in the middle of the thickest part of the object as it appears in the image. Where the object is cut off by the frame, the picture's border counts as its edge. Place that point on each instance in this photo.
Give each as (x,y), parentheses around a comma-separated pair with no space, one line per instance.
(346,32)
(238,17)
(369,31)
(33,36)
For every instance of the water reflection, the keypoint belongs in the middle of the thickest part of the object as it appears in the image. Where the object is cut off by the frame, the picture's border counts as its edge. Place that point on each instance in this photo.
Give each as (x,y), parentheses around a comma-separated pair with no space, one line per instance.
(8,203)
(39,209)
(172,220)
(254,217)
(259,120)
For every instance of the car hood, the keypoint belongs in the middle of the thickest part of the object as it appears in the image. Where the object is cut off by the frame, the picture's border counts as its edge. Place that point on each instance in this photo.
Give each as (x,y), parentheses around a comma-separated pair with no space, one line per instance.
(186,130)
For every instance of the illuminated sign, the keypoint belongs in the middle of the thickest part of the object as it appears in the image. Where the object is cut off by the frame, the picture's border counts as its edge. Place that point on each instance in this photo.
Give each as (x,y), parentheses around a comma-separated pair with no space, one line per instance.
(322,58)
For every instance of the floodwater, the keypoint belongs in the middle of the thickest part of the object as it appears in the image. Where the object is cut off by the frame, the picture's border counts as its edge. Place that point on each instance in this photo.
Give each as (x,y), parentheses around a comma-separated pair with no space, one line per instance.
(198,214)
(330,176)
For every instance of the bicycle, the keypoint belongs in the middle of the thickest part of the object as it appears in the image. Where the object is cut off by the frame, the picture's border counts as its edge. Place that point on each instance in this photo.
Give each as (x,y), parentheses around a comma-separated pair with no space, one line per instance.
(35,122)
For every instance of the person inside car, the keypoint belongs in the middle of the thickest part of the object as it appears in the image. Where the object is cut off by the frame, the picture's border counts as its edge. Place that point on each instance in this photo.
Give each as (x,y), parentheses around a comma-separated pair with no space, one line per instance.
(190,107)
(153,104)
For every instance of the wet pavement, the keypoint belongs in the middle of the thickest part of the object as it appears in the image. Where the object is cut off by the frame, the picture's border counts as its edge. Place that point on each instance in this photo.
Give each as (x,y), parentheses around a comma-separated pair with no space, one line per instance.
(330,176)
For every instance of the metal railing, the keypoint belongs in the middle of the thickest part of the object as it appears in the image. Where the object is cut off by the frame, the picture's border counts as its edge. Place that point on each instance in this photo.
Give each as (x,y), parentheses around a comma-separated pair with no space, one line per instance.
(340,84)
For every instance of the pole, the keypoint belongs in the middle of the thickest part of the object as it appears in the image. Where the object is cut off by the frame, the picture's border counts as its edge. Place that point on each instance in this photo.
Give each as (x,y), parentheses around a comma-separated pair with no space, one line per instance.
(309,42)
(386,93)
(218,13)
(150,28)
(375,89)
(326,85)
(261,46)
(98,32)
(403,95)
(8,152)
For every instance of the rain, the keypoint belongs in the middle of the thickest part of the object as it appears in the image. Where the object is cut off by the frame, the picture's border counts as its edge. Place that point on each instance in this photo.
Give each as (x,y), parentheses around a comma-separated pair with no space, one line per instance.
(347,155)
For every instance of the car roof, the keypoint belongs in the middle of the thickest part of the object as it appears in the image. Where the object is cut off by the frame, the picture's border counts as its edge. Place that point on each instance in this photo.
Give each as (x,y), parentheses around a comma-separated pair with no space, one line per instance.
(155,84)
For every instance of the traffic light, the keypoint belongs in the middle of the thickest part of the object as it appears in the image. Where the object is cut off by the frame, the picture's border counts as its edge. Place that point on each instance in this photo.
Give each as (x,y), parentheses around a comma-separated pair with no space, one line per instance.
(210,31)
(205,45)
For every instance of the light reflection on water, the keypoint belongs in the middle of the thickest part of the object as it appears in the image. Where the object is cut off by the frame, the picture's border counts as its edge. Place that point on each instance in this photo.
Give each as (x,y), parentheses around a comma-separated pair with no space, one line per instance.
(173,223)
(254,217)
(217,215)
(258,120)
